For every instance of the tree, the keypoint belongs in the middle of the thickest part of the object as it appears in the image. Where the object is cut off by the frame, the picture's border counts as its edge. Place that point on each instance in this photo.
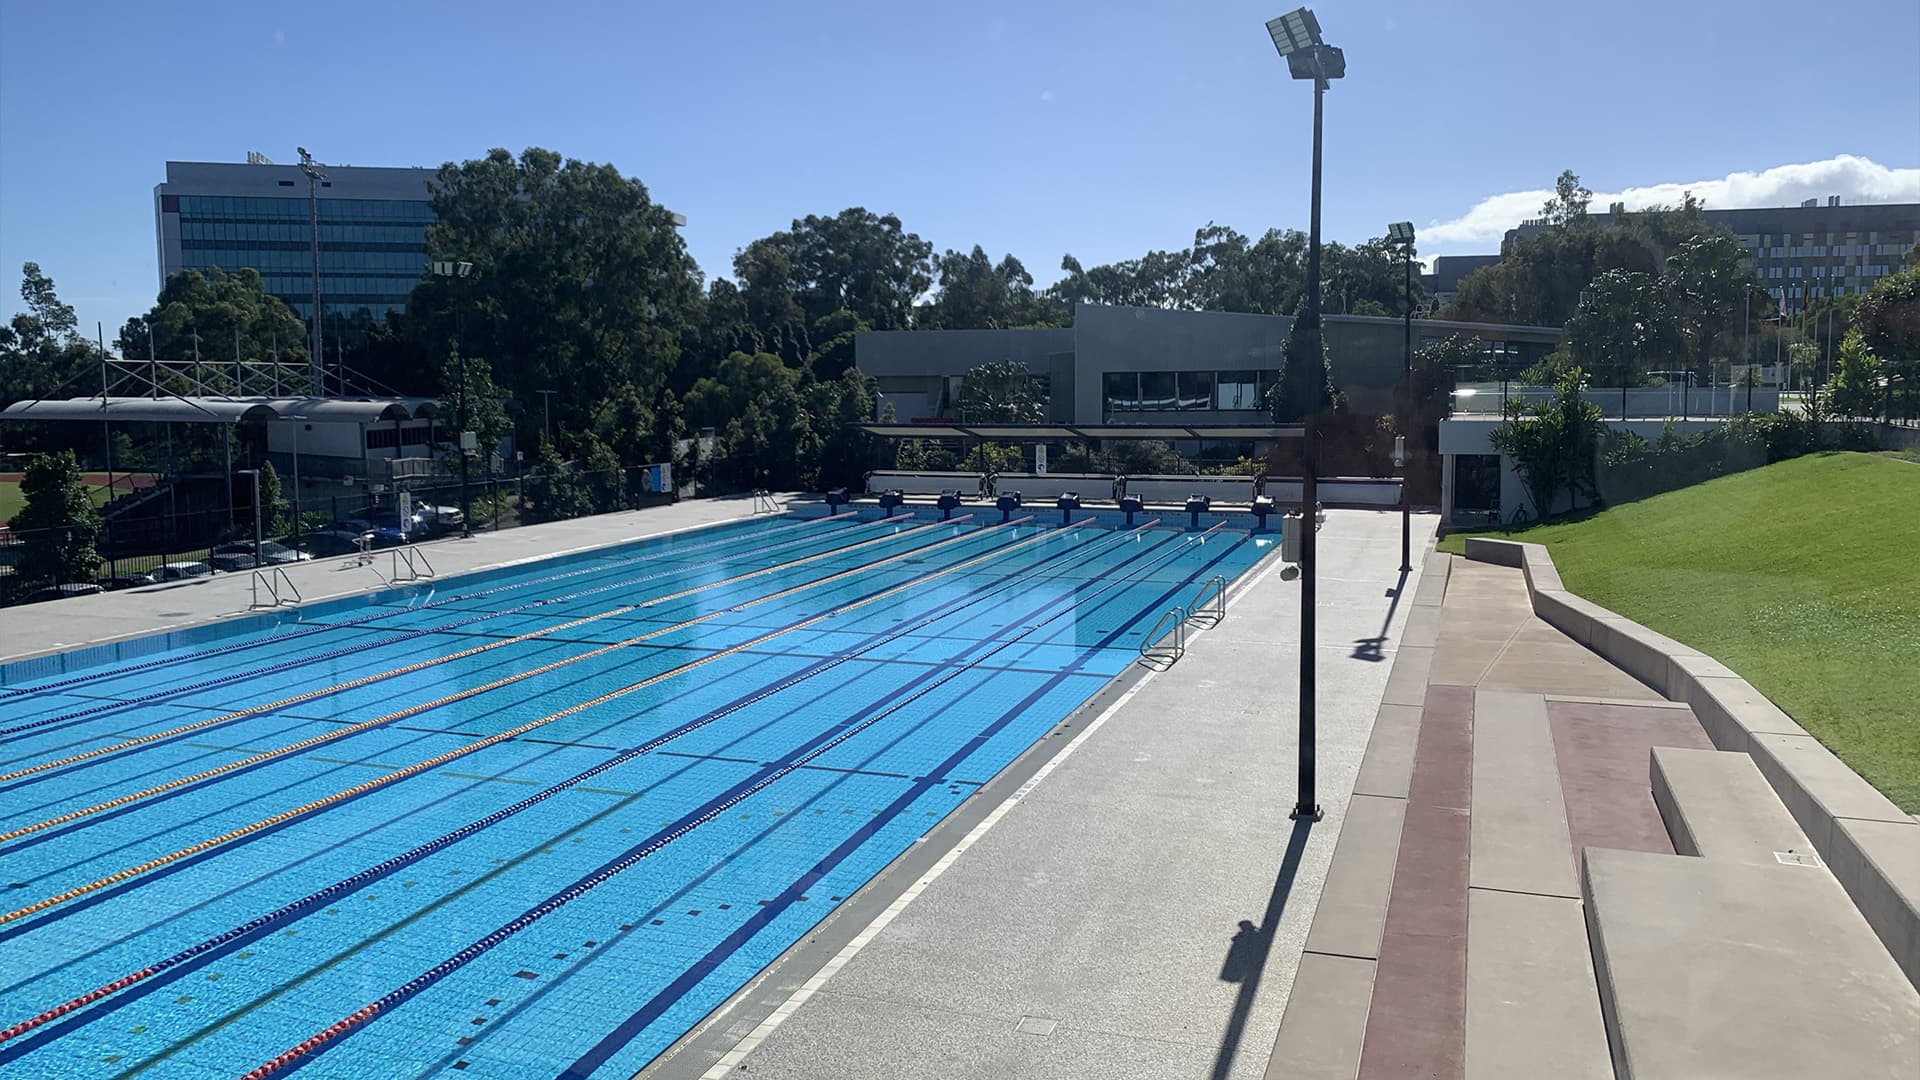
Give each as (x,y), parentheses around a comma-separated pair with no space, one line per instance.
(856,260)
(1305,386)
(1803,359)
(1624,326)
(58,525)
(1889,324)
(846,452)
(581,282)
(207,316)
(978,294)
(273,508)
(553,491)
(470,401)
(1000,392)
(1553,443)
(1855,387)
(1708,278)
(1569,203)
(41,349)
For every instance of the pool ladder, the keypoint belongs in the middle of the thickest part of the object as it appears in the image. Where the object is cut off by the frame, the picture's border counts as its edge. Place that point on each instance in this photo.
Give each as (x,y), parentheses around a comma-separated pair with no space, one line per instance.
(1210,604)
(276,580)
(415,562)
(764,503)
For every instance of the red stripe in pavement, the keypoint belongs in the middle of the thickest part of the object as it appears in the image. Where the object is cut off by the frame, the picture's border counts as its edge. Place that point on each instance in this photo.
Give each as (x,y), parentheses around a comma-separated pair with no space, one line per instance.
(1603,752)
(1417,1025)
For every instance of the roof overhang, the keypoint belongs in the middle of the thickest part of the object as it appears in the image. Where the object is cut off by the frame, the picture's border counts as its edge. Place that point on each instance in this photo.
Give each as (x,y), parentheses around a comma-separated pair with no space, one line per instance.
(224,410)
(1036,432)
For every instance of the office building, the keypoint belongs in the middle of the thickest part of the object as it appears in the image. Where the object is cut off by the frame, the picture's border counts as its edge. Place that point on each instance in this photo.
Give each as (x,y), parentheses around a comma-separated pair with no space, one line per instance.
(1149,366)
(373,225)
(1818,249)
(1442,283)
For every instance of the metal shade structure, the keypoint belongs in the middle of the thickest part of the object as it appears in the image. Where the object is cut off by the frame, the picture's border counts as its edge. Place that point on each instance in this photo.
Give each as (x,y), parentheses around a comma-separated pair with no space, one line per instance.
(225,410)
(1018,432)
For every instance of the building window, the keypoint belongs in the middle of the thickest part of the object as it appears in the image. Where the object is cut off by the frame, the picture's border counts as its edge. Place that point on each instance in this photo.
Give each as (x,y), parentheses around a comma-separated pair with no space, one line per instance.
(1793,272)
(1194,389)
(1237,390)
(1157,390)
(1122,390)
(382,438)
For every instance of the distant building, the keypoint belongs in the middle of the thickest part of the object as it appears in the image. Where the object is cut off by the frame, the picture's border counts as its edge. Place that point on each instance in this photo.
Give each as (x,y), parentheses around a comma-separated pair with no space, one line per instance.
(1443,284)
(373,224)
(1813,250)
(1149,366)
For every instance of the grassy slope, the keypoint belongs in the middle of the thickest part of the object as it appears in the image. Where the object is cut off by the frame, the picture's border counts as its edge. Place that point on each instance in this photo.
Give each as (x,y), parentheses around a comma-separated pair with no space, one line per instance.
(11,501)
(1803,576)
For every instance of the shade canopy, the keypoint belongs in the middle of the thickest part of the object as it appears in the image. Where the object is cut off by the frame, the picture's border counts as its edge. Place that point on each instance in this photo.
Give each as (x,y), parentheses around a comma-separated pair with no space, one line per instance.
(225,410)
(1035,432)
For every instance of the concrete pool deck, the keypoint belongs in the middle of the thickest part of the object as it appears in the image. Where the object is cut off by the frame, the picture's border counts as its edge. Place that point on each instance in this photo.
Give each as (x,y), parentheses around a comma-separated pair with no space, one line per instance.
(1129,899)
(38,629)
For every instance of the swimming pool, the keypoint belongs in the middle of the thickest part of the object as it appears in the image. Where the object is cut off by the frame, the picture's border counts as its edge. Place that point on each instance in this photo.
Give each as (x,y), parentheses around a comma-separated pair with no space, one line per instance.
(539,820)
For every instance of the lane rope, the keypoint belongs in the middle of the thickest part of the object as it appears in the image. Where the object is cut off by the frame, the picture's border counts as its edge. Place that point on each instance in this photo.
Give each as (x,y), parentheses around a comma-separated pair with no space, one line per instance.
(365,876)
(660,840)
(77,680)
(411,710)
(400,774)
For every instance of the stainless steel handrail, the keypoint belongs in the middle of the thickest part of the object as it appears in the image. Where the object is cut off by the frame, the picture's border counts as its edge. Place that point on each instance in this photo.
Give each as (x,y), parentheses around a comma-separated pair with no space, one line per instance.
(1179,617)
(273,577)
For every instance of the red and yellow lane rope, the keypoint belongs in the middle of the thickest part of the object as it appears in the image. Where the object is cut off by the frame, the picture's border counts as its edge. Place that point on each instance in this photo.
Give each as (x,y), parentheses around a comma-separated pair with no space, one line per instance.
(460,751)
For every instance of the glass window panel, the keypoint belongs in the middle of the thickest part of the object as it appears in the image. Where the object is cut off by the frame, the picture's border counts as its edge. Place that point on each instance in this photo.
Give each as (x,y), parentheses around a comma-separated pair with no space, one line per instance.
(1237,390)
(1195,389)
(1122,390)
(1157,390)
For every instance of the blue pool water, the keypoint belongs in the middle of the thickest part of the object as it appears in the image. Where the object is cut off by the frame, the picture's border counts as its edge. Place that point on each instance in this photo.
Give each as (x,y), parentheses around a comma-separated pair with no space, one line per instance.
(648,771)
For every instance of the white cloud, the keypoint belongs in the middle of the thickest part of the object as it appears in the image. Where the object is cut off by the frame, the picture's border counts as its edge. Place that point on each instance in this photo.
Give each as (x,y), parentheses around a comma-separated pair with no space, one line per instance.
(1854,179)
(1046,96)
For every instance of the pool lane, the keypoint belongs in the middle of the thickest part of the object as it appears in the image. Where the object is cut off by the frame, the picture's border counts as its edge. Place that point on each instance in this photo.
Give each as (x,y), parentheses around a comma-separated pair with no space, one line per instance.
(1055,665)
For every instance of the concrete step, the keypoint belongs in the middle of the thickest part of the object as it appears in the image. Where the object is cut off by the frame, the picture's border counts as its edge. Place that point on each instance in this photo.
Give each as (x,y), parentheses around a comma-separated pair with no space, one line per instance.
(1717,805)
(1712,967)
(1532,1009)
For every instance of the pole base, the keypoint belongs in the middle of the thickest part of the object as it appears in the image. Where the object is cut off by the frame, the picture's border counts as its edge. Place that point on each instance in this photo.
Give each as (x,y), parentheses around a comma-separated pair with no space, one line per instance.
(1311,813)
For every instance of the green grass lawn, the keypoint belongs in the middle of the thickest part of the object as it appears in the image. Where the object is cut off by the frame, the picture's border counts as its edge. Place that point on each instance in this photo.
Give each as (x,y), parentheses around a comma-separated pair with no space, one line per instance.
(11,501)
(1803,576)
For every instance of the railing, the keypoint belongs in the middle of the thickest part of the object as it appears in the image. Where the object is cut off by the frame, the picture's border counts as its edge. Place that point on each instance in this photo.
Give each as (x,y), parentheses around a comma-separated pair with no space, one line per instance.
(1211,603)
(276,580)
(1178,616)
(414,560)
(764,503)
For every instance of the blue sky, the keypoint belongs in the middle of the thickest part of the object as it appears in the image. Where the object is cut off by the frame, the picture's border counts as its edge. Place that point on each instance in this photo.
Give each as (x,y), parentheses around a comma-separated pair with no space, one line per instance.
(1102,129)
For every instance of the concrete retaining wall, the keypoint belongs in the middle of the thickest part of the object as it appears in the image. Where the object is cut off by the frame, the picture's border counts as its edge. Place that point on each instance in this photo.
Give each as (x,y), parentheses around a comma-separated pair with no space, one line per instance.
(1871,845)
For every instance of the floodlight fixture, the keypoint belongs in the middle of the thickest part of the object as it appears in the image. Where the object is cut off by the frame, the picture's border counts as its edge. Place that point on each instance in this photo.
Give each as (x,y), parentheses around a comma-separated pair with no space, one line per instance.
(1401,232)
(1295,31)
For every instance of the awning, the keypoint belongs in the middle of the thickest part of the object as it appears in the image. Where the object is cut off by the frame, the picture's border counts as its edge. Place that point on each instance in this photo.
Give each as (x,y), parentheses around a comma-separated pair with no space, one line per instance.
(1035,432)
(224,410)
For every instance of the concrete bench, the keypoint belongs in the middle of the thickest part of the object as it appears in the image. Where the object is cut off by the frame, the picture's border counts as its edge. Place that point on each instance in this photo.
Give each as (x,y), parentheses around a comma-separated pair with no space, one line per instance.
(970,484)
(1037,488)
(1231,490)
(1717,805)
(1712,967)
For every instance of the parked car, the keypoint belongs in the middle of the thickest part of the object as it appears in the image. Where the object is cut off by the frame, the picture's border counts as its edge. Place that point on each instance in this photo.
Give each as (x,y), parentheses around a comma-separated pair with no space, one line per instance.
(389,536)
(440,518)
(230,563)
(180,571)
(269,552)
(321,543)
(61,592)
(128,581)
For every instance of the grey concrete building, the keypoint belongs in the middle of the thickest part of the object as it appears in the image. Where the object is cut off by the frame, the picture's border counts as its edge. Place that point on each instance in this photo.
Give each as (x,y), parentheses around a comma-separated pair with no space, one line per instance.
(1121,365)
(373,224)
(1443,282)
(1814,250)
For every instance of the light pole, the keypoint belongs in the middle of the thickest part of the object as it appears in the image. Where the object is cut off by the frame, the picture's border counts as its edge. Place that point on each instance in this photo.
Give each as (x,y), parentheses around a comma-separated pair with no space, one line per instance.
(315,174)
(1401,233)
(1297,36)
(460,270)
(296,421)
(546,414)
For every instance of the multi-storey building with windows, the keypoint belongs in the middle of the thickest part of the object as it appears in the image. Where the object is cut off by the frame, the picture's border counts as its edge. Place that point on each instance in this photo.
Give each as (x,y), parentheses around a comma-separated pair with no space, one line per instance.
(373,225)
(1814,250)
